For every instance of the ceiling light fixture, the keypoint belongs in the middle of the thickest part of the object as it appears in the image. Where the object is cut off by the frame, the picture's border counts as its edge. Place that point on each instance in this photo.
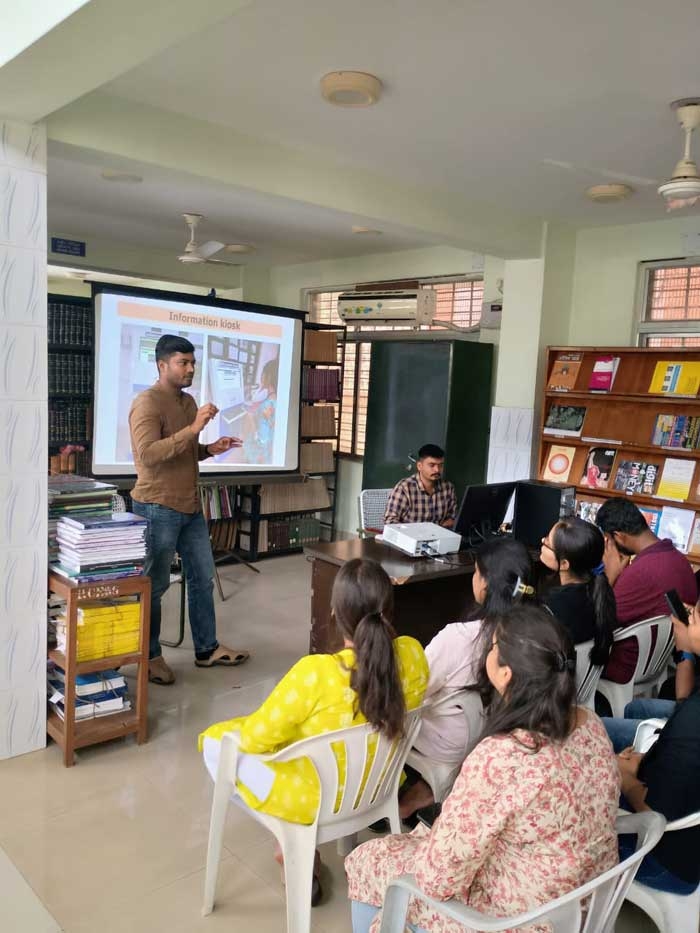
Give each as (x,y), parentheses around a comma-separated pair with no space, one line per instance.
(606,194)
(124,178)
(351,88)
(683,188)
(366,230)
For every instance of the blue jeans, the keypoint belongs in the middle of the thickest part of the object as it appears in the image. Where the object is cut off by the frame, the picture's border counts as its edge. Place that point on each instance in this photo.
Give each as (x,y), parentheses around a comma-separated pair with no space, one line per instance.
(651,872)
(363,915)
(170,531)
(622,731)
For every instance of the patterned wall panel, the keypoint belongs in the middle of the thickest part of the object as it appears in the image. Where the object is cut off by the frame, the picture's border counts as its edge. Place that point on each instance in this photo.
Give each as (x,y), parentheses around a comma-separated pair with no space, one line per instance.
(23,438)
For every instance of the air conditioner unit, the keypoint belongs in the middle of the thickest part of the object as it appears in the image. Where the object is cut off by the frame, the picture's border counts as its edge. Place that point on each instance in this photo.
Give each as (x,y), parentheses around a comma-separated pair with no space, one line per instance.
(418,307)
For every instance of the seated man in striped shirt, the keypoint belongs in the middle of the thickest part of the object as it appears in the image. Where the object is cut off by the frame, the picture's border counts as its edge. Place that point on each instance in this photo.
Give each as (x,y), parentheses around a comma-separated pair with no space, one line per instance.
(425,497)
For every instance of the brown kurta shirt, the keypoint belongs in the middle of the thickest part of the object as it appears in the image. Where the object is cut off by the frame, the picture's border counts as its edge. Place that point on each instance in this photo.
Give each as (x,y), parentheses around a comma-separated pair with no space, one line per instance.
(166,453)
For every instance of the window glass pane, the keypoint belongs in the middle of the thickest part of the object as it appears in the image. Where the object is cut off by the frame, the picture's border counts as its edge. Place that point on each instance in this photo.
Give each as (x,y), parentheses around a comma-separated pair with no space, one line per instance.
(671,340)
(458,302)
(674,294)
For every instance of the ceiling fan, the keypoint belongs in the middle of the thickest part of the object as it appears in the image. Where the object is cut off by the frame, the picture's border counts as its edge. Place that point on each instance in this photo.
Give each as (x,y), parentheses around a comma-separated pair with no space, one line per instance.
(198,253)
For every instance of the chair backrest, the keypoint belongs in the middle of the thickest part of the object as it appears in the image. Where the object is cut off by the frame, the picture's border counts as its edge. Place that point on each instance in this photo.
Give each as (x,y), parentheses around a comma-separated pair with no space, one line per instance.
(372,508)
(373,765)
(587,674)
(603,894)
(650,662)
(469,701)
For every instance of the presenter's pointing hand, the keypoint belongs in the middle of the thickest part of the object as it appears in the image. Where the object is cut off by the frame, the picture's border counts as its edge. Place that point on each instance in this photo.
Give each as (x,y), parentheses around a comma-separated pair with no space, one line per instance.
(224,444)
(203,417)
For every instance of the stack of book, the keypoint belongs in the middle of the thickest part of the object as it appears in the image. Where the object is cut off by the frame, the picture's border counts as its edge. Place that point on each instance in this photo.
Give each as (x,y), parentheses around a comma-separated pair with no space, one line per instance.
(317,458)
(105,629)
(321,385)
(100,547)
(70,373)
(95,694)
(318,421)
(75,496)
(69,324)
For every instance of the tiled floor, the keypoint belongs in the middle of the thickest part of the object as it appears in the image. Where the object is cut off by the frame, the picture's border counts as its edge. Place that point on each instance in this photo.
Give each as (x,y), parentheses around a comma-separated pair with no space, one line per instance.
(118,842)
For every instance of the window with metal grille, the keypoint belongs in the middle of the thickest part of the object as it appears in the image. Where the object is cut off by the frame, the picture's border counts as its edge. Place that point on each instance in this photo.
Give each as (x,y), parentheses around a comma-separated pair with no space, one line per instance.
(458,302)
(671,307)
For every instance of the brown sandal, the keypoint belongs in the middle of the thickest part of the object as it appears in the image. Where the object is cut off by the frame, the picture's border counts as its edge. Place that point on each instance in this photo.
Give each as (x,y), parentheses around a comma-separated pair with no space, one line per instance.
(224,657)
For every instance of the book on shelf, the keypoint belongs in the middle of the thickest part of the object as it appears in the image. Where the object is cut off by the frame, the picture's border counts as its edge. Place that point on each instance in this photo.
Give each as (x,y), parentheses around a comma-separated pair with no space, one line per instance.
(587,509)
(566,420)
(559,462)
(603,374)
(88,685)
(320,346)
(694,542)
(318,421)
(676,524)
(636,477)
(316,458)
(294,497)
(677,431)
(565,372)
(598,467)
(320,385)
(676,477)
(675,378)
(652,517)
(86,710)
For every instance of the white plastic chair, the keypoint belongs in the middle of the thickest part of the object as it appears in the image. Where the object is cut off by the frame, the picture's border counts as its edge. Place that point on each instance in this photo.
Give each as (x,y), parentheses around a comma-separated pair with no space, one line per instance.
(438,774)
(651,665)
(361,804)
(587,675)
(372,504)
(672,913)
(603,894)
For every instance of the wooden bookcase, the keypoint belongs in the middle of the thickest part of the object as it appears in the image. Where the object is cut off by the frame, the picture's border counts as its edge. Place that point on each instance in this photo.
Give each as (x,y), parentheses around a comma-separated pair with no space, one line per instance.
(274,519)
(68,733)
(622,420)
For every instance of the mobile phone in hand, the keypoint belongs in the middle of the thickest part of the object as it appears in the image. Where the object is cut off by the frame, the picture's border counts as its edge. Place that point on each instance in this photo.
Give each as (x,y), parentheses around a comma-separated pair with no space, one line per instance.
(677,607)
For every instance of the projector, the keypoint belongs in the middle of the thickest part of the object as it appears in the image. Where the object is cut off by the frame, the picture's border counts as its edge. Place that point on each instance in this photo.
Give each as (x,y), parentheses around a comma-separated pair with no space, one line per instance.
(421,539)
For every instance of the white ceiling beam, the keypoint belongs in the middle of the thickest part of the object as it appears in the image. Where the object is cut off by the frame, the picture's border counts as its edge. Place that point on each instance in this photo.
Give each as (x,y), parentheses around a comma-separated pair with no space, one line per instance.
(124,129)
(93,45)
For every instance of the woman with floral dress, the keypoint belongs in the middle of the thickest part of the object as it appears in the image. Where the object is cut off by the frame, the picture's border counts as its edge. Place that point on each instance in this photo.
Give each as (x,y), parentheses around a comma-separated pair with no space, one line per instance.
(532,813)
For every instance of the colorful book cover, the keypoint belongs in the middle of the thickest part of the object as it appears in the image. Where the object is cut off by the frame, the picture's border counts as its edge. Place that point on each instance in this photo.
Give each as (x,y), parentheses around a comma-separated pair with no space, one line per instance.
(565,419)
(677,525)
(675,378)
(635,477)
(565,372)
(694,542)
(652,518)
(558,465)
(663,430)
(603,375)
(587,509)
(596,472)
(676,478)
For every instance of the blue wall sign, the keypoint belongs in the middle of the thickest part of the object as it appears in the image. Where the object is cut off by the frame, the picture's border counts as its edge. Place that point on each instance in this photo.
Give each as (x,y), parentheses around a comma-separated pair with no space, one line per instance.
(67,247)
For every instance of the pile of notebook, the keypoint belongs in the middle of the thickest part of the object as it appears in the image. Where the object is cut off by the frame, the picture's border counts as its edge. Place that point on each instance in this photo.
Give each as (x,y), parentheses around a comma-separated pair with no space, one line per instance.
(75,496)
(105,629)
(102,546)
(95,694)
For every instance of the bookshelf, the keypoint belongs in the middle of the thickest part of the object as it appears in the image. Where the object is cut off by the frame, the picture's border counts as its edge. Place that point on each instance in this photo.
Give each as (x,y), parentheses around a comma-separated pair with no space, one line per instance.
(282,518)
(69,733)
(626,441)
(70,376)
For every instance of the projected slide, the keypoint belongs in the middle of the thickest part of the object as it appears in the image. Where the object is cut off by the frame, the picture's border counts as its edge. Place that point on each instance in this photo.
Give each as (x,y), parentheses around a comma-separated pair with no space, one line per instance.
(247,364)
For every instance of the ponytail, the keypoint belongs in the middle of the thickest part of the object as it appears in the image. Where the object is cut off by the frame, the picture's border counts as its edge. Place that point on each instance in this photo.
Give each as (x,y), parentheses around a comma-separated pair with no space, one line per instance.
(583,545)
(375,677)
(363,602)
(605,618)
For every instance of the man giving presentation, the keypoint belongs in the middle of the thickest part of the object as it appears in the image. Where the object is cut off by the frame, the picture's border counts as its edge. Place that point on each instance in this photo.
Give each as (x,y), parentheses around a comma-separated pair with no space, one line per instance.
(165,423)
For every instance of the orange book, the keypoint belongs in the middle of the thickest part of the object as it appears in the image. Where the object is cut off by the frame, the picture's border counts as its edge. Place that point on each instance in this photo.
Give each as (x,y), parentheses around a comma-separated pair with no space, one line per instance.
(565,372)
(558,465)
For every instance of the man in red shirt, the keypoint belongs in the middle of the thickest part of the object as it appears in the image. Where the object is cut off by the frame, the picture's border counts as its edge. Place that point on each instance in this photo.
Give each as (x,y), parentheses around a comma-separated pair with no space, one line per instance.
(641,569)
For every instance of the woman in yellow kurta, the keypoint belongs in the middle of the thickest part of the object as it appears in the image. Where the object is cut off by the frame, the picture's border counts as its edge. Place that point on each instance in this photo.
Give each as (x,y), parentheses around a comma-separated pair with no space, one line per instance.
(374,678)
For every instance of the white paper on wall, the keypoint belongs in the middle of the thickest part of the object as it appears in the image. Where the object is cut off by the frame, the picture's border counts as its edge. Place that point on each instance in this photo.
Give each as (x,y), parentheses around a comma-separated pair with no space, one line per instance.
(510,446)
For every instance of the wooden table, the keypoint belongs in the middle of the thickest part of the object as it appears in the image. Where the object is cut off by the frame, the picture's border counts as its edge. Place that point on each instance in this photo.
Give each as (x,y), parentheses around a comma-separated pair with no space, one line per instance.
(427,594)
